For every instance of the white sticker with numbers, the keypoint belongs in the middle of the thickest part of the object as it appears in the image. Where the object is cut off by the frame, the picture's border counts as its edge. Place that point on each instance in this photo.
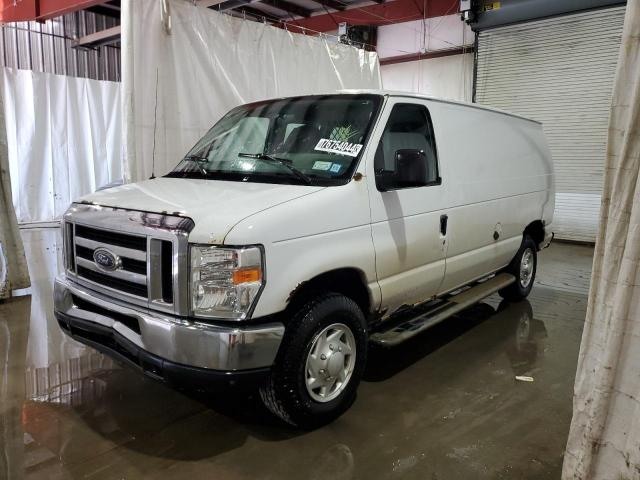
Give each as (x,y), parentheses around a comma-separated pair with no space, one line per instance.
(342,148)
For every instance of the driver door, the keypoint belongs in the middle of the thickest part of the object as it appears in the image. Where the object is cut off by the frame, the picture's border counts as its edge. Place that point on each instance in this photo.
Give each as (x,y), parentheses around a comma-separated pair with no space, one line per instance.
(406,215)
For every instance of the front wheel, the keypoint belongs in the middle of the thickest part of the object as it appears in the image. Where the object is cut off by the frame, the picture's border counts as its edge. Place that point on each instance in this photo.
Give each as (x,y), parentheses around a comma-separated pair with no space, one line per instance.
(319,363)
(523,267)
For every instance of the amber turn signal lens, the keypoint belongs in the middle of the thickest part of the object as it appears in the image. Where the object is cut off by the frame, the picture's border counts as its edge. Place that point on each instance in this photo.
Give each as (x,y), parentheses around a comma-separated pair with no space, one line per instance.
(247,275)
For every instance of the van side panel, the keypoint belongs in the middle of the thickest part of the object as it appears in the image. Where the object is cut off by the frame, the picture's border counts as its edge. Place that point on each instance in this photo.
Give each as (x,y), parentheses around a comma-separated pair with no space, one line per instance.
(469,257)
(499,180)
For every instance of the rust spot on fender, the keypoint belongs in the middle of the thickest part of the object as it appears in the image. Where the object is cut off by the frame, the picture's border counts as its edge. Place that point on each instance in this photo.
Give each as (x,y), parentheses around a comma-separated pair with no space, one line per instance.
(293,292)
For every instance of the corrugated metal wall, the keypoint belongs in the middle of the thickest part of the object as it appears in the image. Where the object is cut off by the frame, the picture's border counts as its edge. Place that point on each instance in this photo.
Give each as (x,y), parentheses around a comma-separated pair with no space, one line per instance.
(46,47)
(560,72)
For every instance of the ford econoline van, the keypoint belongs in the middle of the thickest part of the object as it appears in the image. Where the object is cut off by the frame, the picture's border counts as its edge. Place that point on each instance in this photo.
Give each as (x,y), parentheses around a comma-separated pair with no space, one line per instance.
(299,230)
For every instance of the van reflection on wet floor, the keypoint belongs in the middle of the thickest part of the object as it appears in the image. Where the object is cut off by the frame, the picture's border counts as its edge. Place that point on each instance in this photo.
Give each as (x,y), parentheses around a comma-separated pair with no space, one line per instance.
(63,382)
(528,343)
(54,364)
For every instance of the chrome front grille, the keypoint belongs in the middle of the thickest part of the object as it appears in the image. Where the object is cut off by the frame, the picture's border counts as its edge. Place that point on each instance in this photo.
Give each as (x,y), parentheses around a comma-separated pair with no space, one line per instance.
(134,256)
(131,250)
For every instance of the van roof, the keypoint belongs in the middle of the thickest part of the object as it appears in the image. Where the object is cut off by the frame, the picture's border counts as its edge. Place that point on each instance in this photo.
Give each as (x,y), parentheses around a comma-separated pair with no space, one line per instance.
(392,93)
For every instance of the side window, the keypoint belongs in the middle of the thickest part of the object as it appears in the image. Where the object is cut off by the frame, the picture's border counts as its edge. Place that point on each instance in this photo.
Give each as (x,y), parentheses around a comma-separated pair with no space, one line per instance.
(406,154)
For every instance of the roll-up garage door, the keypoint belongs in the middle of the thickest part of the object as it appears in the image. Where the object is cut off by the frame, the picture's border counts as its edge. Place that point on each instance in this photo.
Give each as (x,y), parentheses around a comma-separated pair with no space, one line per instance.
(560,72)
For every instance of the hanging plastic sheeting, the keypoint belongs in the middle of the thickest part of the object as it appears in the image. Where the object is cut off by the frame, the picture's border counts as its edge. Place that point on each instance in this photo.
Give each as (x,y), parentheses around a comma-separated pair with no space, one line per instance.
(64,140)
(208,64)
(604,440)
(13,264)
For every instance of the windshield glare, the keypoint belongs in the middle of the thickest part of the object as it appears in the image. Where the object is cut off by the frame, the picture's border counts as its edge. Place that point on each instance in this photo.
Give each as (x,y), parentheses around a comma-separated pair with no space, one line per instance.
(314,139)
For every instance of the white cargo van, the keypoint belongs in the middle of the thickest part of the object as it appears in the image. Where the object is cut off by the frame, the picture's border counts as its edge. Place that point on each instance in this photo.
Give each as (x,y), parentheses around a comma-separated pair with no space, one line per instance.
(299,230)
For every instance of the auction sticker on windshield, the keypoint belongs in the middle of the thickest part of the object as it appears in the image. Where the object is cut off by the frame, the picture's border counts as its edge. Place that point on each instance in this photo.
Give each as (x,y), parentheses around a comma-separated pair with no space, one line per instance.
(335,146)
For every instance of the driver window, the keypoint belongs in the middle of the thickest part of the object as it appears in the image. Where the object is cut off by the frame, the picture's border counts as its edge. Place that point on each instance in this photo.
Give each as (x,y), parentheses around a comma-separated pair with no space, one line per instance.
(406,154)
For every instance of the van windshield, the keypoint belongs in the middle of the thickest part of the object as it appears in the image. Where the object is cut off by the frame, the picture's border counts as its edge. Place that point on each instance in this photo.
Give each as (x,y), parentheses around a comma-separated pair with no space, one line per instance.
(314,140)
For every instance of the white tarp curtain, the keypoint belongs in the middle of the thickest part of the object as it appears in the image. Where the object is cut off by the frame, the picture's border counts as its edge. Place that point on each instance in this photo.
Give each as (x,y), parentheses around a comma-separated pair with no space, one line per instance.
(13,265)
(604,440)
(210,63)
(64,140)
(446,77)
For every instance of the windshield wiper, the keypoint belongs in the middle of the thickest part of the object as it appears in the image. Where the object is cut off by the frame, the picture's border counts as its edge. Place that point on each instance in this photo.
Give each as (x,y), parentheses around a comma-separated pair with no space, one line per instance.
(198,160)
(281,161)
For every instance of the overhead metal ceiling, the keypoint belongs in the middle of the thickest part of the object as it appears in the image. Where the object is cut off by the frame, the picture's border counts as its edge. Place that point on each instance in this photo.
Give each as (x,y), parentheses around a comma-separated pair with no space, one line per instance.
(317,15)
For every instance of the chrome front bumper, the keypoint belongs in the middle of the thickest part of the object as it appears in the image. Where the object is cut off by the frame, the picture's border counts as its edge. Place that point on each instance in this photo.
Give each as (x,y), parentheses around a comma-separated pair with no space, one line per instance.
(167,338)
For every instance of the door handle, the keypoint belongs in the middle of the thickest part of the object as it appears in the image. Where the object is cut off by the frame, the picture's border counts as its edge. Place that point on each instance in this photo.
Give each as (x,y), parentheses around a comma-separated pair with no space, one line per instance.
(444,220)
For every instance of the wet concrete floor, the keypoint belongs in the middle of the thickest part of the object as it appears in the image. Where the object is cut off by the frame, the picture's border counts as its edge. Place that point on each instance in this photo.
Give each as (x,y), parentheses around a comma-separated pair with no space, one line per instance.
(445,405)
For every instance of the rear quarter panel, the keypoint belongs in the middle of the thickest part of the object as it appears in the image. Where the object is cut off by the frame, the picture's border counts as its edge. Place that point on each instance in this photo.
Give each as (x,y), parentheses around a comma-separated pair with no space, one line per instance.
(499,177)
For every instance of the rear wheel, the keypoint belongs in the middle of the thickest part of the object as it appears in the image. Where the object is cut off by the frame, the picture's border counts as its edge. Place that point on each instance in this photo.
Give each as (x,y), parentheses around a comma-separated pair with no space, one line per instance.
(523,267)
(319,364)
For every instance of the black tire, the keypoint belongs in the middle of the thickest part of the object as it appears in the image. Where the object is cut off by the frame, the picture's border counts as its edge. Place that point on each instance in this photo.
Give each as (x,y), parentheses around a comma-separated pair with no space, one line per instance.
(520,289)
(285,393)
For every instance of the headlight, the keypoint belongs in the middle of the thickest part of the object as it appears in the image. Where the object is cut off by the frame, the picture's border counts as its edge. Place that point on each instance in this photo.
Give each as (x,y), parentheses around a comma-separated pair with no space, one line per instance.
(225,281)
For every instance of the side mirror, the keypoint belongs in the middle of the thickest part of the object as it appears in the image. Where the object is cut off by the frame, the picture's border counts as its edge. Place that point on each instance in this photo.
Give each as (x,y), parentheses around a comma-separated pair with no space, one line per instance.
(411,168)
(385,180)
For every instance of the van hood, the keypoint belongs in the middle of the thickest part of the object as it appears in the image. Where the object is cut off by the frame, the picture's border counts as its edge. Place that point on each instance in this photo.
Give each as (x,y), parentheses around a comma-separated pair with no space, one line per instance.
(215,206)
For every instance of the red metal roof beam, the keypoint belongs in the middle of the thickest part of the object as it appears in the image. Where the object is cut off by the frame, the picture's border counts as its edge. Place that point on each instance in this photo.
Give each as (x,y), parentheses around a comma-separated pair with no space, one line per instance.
(396,11)
(27,10)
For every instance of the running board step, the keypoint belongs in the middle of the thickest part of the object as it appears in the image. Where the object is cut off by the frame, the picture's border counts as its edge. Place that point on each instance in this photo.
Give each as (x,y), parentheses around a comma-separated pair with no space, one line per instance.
(454,304)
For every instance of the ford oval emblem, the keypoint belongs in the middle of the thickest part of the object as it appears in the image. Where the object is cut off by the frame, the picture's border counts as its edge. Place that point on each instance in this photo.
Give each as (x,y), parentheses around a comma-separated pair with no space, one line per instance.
(106,260)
